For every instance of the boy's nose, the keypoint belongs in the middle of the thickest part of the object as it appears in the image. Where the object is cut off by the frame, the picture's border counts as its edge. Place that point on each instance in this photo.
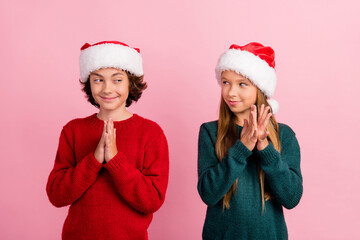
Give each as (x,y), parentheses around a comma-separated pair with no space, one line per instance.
(107,87)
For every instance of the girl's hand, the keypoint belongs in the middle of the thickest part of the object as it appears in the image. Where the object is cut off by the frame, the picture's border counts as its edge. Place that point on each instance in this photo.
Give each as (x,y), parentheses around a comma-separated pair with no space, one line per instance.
(264,117)
(249,132)
(110,141)
(99,153)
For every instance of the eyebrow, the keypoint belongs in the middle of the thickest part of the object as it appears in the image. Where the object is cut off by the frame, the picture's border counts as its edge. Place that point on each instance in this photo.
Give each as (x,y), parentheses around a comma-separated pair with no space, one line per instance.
(118,73)
(95,74)
(99,75)
(238,79)
(245,79)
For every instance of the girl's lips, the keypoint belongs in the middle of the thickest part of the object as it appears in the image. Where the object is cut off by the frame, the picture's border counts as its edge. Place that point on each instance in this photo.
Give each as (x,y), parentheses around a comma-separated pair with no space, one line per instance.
(233,103)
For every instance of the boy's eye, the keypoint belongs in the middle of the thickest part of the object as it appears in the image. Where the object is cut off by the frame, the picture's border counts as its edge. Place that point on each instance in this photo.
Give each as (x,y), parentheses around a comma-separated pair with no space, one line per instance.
(97,80)
(243,84)
(118,80)
(225,82)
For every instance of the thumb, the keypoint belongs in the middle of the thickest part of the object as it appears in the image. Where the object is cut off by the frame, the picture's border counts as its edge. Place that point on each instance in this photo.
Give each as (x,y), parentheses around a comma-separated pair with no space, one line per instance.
(245,127)
(102,139)
(255,135)
(106,139)
(265,135)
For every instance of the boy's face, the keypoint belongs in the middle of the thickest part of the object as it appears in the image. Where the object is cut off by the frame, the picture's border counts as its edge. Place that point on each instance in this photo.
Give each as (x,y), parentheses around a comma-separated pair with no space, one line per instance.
(110,88)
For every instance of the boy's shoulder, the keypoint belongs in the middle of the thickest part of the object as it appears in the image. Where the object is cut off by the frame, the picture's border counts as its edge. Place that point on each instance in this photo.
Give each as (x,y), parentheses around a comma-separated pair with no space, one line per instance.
(148,125)
(76,122)
(146,121)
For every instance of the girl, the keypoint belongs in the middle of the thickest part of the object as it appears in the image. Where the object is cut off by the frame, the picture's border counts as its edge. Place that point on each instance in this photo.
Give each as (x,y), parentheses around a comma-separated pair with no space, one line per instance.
(248,164)
(111,167)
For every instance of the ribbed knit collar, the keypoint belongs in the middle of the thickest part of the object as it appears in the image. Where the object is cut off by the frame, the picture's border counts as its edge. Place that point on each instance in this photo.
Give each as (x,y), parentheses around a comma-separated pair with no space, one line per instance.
(238,128)
(98,123)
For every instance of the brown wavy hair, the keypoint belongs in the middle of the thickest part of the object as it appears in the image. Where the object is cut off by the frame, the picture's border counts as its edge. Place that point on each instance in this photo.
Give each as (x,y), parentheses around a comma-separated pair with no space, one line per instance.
(227,136)
(136,88)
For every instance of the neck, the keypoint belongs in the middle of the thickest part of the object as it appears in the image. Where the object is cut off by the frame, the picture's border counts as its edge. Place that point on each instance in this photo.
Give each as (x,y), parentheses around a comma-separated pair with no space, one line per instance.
(241,116)
(115,115)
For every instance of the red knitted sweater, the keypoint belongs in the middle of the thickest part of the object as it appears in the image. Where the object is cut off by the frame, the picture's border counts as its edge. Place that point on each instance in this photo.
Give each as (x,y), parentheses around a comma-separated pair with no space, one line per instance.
(115,200)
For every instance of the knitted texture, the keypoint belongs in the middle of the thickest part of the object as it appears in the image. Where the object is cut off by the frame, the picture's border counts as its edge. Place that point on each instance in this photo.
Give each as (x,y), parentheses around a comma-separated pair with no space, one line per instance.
(244,219)
(115,200)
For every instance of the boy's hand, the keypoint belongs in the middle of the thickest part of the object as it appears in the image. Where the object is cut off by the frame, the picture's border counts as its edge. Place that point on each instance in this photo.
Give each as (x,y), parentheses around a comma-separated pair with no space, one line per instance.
(110,141)
(99,153)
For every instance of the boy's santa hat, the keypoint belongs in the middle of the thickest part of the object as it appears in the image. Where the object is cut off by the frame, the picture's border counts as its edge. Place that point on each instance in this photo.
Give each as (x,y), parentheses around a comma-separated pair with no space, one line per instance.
(109,54)
(255,62)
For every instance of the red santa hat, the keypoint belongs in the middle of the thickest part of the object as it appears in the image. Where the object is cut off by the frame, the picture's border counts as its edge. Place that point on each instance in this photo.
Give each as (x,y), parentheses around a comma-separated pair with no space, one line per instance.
(255,62)
(109,54)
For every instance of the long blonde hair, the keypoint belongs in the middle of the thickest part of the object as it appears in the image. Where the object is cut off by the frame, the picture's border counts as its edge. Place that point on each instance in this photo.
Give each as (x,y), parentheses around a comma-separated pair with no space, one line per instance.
(227,136)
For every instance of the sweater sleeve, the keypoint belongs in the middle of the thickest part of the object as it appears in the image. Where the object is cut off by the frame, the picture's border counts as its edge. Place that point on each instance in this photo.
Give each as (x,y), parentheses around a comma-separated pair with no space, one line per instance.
(143,190)
(68,180)
(215,178)
(282,171)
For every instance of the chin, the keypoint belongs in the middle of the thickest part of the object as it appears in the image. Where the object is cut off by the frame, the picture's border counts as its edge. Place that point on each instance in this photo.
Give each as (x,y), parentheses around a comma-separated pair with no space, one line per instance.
(235,109)
(112,107)
(239,110)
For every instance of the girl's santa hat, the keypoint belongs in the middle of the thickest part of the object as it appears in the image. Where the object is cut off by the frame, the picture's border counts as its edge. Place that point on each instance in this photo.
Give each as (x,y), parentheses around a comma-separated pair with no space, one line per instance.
(255,62)
(109,54)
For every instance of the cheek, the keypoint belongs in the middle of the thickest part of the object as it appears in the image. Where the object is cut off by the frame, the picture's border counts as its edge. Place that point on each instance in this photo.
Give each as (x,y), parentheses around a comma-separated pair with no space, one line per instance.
(224,91)
(124,90)
(126,87)
(94,90)
(252,96)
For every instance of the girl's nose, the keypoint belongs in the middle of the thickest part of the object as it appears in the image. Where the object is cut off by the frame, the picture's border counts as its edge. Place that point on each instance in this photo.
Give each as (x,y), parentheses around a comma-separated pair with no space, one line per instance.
(232,91)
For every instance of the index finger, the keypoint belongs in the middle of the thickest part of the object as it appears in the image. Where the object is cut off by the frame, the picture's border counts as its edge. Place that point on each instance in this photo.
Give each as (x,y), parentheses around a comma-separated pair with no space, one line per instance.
(254,114)
(264,115)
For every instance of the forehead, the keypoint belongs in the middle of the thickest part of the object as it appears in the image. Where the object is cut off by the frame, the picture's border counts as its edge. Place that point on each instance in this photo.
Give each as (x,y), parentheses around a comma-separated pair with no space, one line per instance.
(232,75)
(108,71)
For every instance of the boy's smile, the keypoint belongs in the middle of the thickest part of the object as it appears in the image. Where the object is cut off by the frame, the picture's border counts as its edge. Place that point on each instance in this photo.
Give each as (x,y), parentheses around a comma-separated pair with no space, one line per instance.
(110,89)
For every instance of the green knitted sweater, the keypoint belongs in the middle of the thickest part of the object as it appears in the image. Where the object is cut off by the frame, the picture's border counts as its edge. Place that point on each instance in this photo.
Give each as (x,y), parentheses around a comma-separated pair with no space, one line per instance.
(244,219)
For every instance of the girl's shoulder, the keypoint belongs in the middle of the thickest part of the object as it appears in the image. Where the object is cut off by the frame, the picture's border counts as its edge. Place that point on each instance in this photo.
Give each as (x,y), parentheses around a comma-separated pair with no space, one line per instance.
(210,126)
(209,130)
(285,131)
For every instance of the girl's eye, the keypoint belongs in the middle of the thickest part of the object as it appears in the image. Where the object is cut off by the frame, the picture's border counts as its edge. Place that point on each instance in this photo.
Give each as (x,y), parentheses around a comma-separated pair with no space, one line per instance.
(118,80)
(97,80)
(225,82)
(243,84)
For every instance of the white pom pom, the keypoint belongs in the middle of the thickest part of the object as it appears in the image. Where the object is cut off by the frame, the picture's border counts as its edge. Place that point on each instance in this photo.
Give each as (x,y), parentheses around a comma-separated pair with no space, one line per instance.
(274,105)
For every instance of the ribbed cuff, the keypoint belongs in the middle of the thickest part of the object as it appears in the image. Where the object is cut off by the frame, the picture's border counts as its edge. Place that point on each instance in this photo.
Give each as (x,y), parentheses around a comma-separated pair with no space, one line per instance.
(92,163)
(118,167)
(239,152)
(268,155)
(114,164)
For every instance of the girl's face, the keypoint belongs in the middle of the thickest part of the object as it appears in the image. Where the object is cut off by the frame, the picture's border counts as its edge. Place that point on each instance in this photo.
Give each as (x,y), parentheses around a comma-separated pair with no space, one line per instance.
(110,88)
(238,93)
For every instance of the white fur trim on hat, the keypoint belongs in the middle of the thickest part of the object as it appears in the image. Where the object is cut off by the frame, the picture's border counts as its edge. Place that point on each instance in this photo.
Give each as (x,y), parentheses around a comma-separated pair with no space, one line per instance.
(109,55)
(274,105)
(250,66)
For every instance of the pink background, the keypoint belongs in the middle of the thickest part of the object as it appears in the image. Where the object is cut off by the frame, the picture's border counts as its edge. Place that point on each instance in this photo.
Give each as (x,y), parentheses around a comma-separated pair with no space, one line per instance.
(317,45)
